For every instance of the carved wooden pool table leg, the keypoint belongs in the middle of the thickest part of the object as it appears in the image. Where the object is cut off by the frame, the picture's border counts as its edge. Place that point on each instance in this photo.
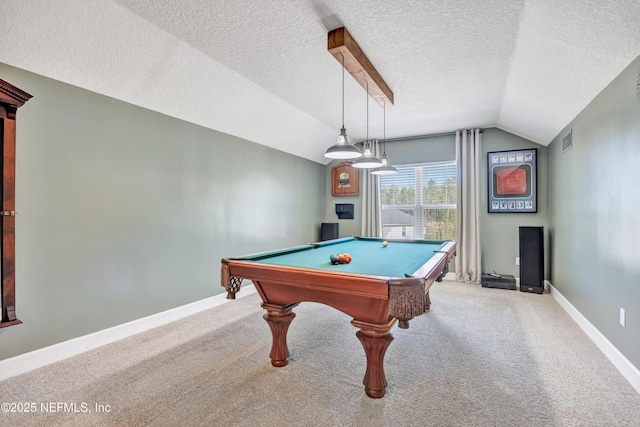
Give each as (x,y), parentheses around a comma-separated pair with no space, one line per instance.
(375,339)
(279,318)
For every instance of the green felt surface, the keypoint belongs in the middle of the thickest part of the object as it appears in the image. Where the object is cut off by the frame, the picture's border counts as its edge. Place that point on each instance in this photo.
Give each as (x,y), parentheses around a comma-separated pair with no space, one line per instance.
(397,259)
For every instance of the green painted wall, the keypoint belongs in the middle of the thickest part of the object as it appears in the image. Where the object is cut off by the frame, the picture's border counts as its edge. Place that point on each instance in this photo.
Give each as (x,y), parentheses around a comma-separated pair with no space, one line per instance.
(499,232)
(594,212)
(127,212)
(346,227)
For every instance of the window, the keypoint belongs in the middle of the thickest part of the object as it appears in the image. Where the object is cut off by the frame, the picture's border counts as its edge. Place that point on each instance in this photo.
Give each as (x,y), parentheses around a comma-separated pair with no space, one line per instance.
(419,202)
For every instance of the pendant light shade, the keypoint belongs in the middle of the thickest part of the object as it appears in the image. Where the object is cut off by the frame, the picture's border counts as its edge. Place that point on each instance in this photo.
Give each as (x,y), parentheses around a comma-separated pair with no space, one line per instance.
(368,160)
(343,149)
(386,168)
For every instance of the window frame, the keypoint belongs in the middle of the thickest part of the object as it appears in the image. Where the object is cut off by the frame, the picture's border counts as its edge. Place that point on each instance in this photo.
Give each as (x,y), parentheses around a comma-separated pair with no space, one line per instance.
(419,208)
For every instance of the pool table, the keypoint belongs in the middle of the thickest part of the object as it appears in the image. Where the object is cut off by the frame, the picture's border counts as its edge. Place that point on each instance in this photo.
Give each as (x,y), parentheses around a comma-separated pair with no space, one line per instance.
(381,286)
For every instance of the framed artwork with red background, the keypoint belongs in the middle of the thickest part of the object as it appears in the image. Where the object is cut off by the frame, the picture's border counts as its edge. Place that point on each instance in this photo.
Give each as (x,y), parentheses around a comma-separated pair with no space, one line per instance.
(512,181)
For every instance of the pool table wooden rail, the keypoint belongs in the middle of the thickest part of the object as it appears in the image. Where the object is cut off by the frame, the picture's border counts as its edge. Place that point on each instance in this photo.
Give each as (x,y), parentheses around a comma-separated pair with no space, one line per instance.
(375,303)
(288,285)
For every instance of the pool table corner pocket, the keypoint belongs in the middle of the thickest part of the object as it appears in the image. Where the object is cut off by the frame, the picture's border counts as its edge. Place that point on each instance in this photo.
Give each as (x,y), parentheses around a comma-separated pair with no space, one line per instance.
(407,300)
(230,283)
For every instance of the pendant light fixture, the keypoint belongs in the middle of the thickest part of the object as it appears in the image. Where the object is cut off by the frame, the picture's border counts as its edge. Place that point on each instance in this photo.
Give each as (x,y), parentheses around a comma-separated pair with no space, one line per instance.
(368,160)
(386,168)
(343,149)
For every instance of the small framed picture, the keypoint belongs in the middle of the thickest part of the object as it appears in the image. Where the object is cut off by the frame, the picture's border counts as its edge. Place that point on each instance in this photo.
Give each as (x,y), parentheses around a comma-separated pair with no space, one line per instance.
(512,181)
(345,180)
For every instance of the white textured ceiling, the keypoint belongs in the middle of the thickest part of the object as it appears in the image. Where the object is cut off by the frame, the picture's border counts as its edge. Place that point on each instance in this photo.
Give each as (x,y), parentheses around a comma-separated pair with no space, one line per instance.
(260,70)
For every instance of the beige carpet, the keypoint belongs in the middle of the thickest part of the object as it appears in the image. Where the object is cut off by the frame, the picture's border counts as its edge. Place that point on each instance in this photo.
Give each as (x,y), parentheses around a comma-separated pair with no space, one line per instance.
(480,357)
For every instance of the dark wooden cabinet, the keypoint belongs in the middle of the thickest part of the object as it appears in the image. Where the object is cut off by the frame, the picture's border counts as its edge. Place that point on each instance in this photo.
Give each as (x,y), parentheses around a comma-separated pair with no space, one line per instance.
(11,98)
(532,259)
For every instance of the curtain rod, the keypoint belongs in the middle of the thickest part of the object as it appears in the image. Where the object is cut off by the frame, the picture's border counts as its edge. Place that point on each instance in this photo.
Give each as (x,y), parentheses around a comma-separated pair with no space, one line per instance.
(433,135)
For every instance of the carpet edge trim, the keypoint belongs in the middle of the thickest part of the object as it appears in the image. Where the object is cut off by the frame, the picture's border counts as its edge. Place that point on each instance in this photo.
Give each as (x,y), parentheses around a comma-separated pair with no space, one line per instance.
(622,364)
(29,361)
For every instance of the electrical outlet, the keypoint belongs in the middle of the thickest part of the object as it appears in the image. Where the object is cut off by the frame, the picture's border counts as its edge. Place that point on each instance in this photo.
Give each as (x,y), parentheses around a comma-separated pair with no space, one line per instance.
(623,316)
(517,260)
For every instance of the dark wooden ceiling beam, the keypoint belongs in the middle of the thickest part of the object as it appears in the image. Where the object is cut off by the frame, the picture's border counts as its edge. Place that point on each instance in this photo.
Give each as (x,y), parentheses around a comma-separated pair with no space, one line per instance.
(340,42)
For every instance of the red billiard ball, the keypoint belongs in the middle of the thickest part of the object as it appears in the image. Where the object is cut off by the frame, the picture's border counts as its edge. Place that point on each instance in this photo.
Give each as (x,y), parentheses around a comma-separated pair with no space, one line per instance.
(341,258)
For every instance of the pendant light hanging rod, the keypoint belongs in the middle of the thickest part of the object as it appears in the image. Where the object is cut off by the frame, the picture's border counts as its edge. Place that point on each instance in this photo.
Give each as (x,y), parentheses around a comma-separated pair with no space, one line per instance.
(368,160)
(343,149)
(386,168)
(342,90)
(384,132)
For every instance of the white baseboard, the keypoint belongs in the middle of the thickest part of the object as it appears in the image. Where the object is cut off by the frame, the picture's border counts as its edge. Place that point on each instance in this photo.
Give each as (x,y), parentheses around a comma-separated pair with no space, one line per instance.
(38,358)
(41,357)
(626,368)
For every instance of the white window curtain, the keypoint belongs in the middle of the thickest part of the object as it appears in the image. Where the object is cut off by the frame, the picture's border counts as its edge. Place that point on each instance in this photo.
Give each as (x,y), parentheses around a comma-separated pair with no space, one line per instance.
(468,163)
(371,206)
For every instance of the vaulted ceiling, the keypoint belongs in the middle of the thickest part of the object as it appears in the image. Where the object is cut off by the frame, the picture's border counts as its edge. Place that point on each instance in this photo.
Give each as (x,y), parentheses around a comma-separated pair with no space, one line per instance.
(260,70)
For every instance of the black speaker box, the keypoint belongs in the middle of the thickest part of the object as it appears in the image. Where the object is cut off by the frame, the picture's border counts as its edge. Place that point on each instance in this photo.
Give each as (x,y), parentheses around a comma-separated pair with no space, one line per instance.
(532,259)
(328,231)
